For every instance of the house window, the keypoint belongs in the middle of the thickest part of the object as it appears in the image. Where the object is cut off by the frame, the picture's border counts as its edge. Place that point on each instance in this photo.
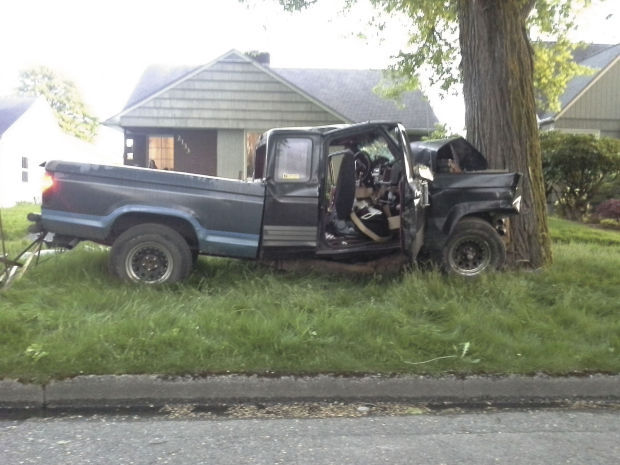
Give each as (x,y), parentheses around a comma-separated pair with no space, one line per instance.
(129,149)
(24,169)
(293,160)
(161,152)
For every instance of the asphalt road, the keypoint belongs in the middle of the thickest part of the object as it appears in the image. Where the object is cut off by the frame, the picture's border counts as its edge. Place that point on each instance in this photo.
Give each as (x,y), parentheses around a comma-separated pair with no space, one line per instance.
(547,436)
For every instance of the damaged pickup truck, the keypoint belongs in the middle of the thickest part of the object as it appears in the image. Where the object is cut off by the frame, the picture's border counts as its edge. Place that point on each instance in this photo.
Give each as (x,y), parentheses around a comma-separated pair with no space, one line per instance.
(345,193)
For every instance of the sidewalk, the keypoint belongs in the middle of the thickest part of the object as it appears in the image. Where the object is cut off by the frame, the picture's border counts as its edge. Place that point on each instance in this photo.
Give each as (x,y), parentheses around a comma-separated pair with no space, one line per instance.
(153,391)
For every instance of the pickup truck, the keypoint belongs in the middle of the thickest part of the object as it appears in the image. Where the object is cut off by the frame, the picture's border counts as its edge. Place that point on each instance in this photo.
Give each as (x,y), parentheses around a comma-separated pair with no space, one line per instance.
(345,193)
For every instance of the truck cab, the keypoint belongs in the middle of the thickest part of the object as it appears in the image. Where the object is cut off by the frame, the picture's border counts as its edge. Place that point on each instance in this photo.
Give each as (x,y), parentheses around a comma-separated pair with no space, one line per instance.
(339,192)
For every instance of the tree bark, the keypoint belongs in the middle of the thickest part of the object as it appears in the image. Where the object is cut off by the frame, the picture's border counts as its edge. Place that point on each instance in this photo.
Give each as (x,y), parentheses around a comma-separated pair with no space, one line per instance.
(500,115)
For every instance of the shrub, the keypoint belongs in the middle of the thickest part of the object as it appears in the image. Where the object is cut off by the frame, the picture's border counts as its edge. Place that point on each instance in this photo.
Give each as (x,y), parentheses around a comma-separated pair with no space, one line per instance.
(575,166)
(441,131)
(609,223)
(610,189)
(609,209)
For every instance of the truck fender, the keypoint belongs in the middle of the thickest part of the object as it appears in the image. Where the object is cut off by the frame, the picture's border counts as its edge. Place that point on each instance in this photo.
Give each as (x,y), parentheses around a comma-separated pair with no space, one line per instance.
(470,209)
(131,215)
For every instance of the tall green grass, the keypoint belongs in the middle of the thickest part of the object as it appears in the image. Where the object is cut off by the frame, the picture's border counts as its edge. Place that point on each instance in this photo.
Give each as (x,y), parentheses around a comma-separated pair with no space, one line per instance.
(68,316)
(14,229)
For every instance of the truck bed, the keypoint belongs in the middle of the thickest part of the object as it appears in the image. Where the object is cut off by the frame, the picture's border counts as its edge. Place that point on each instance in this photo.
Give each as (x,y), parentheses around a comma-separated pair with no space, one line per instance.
(87,200)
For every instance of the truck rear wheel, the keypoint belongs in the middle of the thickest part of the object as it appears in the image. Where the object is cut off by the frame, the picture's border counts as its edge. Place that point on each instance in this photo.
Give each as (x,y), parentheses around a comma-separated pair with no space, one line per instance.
(150,254)
(473,248)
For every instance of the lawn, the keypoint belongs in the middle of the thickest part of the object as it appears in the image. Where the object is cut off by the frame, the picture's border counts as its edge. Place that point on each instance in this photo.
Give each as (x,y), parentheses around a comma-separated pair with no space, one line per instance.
(68,316)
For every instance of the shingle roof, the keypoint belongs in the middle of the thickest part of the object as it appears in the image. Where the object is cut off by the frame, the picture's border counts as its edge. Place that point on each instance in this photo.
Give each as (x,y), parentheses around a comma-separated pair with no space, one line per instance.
(154,79)
(351,94)
(348,92)
(11,109)
(597,57)
(583,52)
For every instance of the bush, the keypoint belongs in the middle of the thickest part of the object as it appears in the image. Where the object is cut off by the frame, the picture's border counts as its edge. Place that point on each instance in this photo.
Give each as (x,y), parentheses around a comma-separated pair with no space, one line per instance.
(609,209)
(610,189)
(608,223)
(575,167)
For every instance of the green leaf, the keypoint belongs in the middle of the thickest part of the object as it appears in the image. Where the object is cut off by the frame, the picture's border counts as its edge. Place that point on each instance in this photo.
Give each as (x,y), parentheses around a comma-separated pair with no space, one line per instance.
(64,98)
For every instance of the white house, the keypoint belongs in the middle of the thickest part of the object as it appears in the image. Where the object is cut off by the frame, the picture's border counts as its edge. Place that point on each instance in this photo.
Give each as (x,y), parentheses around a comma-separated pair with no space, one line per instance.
(30,135)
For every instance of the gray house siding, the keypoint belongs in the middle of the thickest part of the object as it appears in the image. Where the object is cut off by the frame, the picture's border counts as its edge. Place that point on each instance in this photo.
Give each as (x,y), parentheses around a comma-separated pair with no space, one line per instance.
(597,109)
(230,94)
(227,103)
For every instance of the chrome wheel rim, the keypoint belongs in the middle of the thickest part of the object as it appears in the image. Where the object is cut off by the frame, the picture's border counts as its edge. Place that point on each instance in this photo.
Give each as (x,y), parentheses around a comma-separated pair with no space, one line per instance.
(470,255)
(149,263)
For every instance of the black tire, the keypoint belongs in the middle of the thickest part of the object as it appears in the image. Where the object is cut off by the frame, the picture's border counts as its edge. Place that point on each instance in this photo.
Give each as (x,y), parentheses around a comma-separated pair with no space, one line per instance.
(150,254)
(473,248)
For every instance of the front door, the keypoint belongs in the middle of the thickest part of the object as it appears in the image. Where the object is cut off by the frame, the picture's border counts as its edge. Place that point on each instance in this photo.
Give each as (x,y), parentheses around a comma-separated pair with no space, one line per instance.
(290,224)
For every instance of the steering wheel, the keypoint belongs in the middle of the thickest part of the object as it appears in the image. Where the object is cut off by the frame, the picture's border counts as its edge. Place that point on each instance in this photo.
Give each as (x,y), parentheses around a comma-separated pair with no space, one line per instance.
(363,167)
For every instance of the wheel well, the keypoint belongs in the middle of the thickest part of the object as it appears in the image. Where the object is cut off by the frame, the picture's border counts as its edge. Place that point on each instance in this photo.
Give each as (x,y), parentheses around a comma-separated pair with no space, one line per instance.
(183,227)
(482,216)
(496,221)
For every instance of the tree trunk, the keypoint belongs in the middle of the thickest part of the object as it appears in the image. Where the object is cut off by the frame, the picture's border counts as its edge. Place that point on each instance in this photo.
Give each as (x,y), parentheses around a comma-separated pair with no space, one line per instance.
(500,116)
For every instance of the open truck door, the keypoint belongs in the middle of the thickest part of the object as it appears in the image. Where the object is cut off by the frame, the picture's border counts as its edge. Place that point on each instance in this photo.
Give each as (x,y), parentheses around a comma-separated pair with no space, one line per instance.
(414,189)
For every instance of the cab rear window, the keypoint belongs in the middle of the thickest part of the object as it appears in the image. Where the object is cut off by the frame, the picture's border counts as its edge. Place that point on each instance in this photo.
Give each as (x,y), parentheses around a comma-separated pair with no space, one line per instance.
(293,159)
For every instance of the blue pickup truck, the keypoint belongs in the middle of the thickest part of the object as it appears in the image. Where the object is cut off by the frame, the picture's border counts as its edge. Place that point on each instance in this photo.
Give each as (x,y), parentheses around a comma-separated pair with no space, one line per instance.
(345,193)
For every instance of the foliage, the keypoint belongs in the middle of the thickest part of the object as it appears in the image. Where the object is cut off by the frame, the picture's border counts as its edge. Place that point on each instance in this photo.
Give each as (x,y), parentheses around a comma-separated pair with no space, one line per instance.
(258,56)
(610,189)
(609,223)
(64,98)
(609,209)
(433,40)
(575,166)
(440,132)
(554,68)
(434,44)
(394,85)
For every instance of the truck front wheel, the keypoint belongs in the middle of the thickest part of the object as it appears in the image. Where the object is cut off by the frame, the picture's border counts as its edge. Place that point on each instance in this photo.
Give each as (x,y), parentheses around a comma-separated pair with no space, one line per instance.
(150,254)
(473,247)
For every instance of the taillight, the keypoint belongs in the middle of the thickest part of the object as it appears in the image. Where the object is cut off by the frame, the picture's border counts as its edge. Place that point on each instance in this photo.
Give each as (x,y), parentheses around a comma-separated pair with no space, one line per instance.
(47,182)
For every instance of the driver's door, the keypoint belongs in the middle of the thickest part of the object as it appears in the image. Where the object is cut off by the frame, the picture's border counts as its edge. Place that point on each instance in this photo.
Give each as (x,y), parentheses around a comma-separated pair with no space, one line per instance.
(290,222)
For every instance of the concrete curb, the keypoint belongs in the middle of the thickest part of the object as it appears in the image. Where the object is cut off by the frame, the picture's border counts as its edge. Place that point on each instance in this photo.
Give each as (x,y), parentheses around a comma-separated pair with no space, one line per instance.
(153,391)
(16,394)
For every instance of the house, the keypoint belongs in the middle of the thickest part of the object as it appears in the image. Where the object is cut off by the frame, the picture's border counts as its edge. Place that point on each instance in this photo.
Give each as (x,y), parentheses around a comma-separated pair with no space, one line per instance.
(591,104)
(26,127)
(30,135)
(206,119)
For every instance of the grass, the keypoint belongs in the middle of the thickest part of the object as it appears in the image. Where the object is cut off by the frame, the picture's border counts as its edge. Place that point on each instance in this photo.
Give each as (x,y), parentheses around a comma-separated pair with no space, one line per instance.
(68,316)
(563,231)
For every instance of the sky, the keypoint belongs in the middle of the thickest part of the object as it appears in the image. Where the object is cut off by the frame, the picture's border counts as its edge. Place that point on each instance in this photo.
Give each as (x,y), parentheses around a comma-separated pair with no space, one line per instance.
(104,46)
